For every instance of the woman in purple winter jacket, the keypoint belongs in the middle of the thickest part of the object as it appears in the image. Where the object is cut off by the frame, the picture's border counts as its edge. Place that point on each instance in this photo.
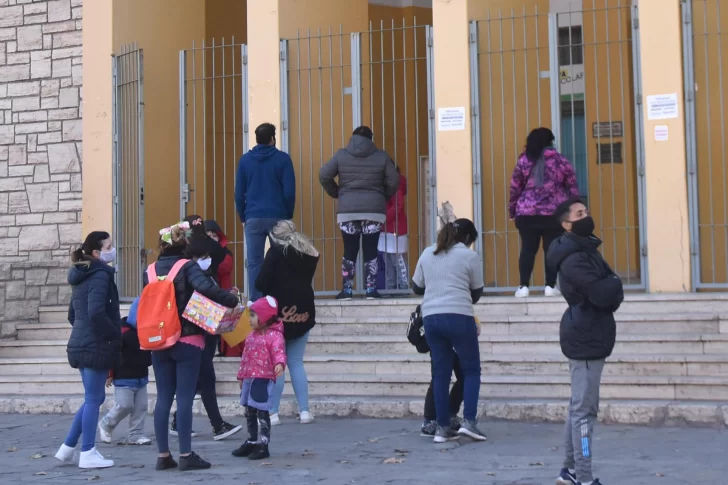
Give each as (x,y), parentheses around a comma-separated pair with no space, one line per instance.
(543,179)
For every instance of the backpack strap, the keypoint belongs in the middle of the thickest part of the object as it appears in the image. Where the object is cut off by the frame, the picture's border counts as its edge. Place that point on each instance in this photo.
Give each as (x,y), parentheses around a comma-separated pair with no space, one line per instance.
(152,272)
(177,268)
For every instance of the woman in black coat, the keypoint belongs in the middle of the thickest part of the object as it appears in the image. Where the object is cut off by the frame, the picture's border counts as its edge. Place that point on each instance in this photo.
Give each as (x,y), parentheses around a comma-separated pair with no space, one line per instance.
(176,369)
(95,343)
(287,275)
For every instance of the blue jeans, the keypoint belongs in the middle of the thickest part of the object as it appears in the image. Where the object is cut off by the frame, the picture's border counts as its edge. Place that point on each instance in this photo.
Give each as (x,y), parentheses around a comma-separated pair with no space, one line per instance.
(87,417)
(176,370)
(294,352)
(256,230)
(446,334)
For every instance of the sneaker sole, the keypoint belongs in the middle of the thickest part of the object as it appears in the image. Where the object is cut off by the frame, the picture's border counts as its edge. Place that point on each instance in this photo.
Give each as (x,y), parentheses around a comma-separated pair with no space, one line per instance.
(227,434)
(103,435)
(471,435)
(307,421)
(441,439)
(425,435)
(175,433)
(348,298)
(95,467)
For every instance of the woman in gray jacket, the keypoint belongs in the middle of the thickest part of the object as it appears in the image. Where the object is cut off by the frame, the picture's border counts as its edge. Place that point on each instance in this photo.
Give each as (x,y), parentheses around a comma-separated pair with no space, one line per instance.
(368,178)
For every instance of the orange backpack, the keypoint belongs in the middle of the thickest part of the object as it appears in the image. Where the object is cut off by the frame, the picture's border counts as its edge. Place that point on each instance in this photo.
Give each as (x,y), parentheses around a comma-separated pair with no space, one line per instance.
(158,323)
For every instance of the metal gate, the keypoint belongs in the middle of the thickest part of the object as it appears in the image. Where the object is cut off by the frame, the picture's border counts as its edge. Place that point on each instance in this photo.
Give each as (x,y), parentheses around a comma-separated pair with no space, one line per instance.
(128,169)
(213,86)
(705,121)
(576,72)
(332,82)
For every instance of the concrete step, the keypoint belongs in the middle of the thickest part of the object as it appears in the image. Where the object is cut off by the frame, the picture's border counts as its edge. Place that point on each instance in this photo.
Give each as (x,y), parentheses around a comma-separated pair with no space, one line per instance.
(651,412)
(662,303)
(683,388)
(491,325)
(665,365)
(688,343)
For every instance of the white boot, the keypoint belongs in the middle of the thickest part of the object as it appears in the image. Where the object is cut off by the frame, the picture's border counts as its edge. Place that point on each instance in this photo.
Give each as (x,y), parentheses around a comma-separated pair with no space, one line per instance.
(65,453)
(93,459)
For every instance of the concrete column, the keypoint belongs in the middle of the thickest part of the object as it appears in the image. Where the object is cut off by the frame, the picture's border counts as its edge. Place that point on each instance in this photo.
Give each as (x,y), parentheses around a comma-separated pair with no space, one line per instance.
(452,90)
(666,198)
(97,127)
(264,81)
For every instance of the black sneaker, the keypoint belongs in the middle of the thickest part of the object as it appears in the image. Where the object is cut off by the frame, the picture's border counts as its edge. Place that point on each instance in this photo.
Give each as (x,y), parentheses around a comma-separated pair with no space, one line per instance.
(345,295)
(443,435)
(373,294)
(225,431)
(470,429)
(245,449)
(193,462)
(566,477)
(429,428)
(173,430)
(166,463)
(455,423)
(260,452)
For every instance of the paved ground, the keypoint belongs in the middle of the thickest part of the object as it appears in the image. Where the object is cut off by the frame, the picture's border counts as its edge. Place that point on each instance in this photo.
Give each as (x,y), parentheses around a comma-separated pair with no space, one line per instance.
(354,451)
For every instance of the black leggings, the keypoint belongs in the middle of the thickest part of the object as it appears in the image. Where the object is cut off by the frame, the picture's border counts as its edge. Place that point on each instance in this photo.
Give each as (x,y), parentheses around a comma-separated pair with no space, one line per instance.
(369,244)
(456,393)
(533,230)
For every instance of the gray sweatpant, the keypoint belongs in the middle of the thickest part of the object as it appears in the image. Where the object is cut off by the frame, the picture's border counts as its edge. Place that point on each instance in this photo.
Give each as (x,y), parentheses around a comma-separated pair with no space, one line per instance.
(396,272)
(128,402)
(586,376)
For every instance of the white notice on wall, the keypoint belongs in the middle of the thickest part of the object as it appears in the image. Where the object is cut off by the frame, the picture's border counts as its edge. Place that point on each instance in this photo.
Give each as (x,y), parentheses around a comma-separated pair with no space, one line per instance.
(451,119)
(661,133)
(662,106)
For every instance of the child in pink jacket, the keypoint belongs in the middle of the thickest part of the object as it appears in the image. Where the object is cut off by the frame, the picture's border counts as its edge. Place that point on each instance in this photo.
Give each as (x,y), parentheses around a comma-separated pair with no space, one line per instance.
(263,360)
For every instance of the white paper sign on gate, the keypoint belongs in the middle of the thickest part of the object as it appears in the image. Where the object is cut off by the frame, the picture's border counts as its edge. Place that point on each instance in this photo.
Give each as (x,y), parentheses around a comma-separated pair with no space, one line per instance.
(662,106)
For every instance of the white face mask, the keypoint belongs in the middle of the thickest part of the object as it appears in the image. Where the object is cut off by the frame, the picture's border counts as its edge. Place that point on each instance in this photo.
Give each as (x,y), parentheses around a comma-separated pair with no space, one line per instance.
(108,256)
(204,263)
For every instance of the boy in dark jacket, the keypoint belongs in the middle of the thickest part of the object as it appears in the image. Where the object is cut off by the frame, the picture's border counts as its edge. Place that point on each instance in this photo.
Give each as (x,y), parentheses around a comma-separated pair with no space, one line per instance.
(416,336)
(130,385)
(588,330)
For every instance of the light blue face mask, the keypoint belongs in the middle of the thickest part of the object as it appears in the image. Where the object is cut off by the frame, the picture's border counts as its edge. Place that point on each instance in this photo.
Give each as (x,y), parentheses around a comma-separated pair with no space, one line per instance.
(204,263)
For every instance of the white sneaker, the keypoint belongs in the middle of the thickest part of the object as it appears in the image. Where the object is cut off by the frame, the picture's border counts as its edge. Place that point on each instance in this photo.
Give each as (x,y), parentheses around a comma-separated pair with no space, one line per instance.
(93,459)
(522,292)
(275,420)
(104,434)
(142,440)
(65,453)
(549,291)
(306,417)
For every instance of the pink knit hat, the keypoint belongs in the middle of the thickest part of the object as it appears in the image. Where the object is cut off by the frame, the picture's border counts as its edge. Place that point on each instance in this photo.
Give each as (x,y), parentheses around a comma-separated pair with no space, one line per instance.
(266,308)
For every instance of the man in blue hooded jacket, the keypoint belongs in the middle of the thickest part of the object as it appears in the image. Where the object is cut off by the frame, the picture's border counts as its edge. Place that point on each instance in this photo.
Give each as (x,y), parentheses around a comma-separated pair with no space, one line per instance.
(265,193)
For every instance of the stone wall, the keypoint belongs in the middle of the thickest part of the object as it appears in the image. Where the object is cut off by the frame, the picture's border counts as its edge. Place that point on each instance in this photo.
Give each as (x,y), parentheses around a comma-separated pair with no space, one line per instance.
(40,148)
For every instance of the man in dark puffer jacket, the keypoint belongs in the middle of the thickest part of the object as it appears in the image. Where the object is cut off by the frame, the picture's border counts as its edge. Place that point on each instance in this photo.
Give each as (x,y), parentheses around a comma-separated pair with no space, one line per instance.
(588,330)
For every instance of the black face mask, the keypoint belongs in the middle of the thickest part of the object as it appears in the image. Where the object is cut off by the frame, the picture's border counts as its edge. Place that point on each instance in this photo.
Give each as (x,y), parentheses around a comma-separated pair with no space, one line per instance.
(583,227)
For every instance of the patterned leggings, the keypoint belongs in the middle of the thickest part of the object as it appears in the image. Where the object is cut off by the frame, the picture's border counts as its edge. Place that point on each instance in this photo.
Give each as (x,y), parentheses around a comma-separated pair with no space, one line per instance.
(368,233)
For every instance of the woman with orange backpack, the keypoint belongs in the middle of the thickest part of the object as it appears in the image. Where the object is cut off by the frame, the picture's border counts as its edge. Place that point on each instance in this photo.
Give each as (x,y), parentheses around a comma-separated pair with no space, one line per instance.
(176,366)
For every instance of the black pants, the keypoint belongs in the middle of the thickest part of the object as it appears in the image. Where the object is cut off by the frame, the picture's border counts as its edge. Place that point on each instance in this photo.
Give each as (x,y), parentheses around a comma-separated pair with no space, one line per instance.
(533,230)
(456,393)
(352,232)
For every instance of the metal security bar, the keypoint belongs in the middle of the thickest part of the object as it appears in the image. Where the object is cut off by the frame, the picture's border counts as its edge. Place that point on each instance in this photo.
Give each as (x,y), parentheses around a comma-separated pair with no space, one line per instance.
(213,81)
(396,70)
(128,169)
(335,82)
(576,72)
(705,116)
(317,120)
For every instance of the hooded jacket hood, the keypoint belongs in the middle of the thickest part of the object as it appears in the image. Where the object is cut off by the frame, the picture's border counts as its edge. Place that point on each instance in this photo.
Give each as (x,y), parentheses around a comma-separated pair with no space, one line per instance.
(262,153)
(82,270)
(569,244)
(213,226)
(361,146)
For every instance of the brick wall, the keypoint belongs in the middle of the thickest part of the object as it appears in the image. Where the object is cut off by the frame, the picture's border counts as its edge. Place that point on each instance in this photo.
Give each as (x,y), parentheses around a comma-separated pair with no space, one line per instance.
(40,151)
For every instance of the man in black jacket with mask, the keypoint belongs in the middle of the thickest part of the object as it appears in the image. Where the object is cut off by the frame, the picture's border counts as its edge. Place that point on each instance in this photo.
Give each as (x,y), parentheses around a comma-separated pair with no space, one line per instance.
(588,330)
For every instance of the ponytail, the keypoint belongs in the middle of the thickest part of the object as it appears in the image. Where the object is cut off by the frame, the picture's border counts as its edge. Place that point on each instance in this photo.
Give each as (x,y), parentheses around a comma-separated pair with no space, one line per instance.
(446,238)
